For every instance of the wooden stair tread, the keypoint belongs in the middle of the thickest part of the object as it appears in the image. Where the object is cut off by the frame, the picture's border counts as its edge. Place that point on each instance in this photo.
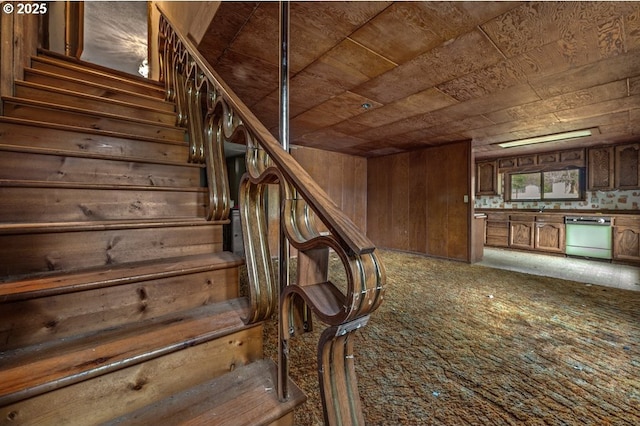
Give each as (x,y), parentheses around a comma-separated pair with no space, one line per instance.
(14,228)
(97,186)
(246,396)
(36,74)
(55,283)
(85,154)
(48,105)
(45,53)
(99,70)
(40,368)
(65,97)
(85,130)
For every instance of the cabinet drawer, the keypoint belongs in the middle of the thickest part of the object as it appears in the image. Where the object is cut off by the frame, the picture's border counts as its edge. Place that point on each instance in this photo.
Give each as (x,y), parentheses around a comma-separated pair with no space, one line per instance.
(497,232)
(523,217)
(550,218)
(498,217)
(633,221)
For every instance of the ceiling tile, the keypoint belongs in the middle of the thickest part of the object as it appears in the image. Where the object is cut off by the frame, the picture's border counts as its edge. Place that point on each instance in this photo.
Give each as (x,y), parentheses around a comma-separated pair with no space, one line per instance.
(634,85)
(594,110)
(349,64)
(593,74)
(512,96)
(530,26)
(329,139)
(309,89)
(357,57)
(317,27)
(238,72)
(467,53)
(592,95)
(483,82)
(419,103)
(632,29)
(333,111)
(260,34)
(223,28)
(400,32)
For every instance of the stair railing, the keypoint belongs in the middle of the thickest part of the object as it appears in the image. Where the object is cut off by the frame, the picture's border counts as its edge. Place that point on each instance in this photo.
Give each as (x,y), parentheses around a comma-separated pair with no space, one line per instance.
(214,114)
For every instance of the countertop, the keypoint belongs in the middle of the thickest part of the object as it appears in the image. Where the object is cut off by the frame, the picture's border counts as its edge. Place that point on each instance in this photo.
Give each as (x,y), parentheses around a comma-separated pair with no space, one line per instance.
(563,212)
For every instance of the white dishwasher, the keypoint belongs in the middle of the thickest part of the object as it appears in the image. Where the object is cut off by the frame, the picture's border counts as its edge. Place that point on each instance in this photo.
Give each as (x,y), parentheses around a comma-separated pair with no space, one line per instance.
(588,236)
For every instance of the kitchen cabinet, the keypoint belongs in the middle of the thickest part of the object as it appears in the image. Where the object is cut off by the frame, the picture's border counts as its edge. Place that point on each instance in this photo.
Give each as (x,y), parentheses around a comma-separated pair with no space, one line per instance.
(614,167)
(601,168)
(522,231)
(626,238)
(497,230)
(528,231)
(627,174)
(486,178)
(546,233)
(549,233)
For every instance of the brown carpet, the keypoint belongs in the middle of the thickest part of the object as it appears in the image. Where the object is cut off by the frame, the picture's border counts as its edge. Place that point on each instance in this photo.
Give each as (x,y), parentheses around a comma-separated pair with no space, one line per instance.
(456,344)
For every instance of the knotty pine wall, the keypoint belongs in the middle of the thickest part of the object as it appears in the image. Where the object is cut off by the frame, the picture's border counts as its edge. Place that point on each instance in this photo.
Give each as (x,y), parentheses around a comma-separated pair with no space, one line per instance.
(415,201)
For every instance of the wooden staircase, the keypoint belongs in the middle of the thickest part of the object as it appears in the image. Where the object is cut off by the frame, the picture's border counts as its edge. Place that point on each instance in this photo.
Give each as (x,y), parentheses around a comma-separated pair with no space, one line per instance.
(117,303)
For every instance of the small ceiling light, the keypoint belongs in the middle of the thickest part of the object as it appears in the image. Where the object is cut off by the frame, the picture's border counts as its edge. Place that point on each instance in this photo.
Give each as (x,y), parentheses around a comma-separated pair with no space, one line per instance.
(366,105)
(548,138)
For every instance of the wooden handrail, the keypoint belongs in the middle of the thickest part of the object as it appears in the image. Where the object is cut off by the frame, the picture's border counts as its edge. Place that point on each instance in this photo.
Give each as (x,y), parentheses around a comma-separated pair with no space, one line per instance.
(213,114)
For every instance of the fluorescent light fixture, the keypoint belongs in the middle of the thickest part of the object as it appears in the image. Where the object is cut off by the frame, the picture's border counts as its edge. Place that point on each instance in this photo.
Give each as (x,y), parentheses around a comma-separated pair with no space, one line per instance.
(547,138)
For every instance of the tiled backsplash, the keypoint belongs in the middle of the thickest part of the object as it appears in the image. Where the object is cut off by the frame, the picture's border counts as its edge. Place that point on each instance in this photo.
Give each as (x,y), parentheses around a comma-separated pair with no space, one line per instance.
(596,200)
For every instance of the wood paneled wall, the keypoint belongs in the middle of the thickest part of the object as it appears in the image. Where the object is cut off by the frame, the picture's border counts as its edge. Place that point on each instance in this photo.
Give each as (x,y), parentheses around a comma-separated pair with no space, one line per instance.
(343,177)
(416,201)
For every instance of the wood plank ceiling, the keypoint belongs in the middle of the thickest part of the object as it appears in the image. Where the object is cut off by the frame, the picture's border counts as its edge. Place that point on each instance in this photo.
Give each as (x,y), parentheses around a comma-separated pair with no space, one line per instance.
(377,78)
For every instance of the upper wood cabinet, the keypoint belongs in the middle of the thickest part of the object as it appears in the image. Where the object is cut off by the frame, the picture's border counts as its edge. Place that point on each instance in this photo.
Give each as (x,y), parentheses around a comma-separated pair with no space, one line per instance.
(600,168)
(627,159)
(486,178)
(614,167)
(487,171)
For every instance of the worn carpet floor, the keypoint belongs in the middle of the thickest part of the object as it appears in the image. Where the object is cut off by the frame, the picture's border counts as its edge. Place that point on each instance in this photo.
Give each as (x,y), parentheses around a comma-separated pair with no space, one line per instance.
(456,344)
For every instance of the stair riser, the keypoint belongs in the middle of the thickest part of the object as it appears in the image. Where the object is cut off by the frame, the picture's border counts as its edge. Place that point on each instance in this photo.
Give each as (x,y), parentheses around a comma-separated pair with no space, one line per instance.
(33,253)
(103,92)
(117,393)
(36,321)
(90,121)
(24,204)
(42,137)
(59,98)
(78,73)
(55,168)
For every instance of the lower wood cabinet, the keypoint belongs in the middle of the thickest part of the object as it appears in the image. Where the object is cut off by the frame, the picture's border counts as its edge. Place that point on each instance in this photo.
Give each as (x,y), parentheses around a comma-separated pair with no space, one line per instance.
(541,232)
(626,239)
(497,230)
(521,234)
(549,237)
(546,232)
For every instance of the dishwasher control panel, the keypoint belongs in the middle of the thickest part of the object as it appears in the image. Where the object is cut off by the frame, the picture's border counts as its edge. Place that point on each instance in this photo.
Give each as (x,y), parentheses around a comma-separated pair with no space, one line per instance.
(588,220)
